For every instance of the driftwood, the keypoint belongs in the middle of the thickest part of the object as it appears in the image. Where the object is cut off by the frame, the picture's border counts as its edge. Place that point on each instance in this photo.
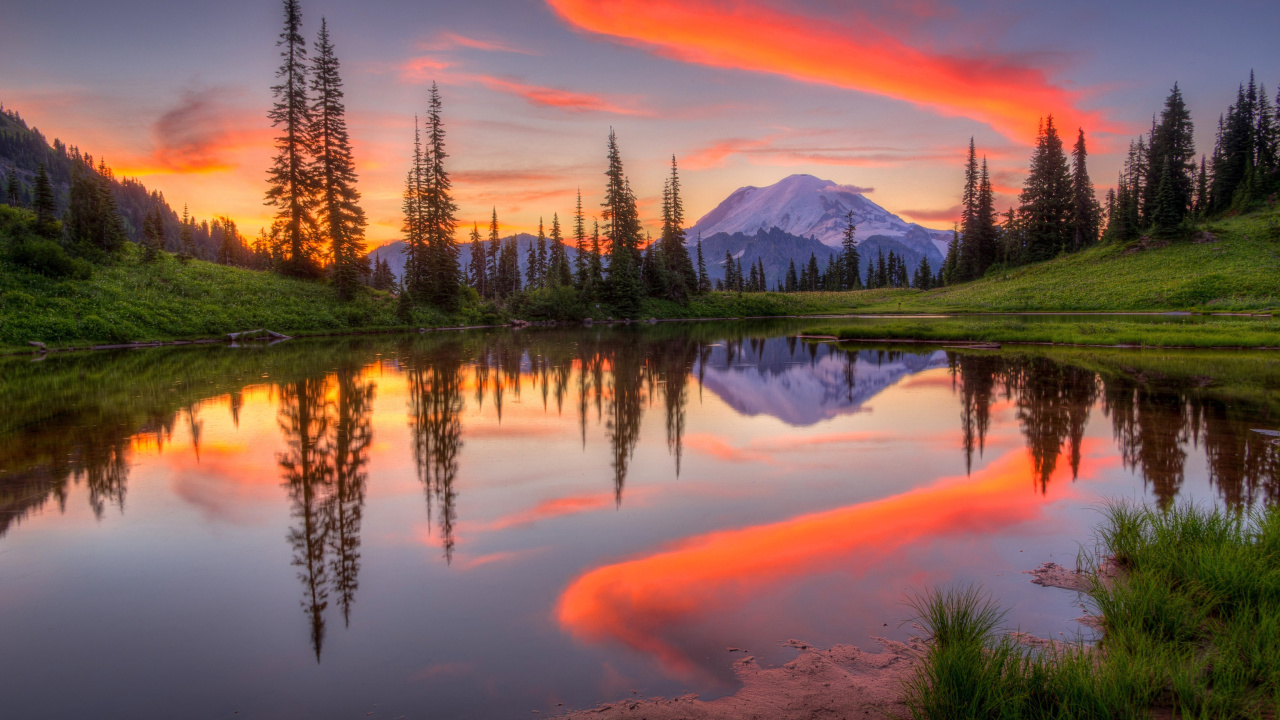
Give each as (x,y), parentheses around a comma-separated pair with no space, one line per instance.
(37,345)
(259,334)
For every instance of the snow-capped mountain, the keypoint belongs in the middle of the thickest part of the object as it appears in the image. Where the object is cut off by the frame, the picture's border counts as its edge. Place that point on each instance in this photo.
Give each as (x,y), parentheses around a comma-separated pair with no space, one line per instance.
(803,385)
(807,206)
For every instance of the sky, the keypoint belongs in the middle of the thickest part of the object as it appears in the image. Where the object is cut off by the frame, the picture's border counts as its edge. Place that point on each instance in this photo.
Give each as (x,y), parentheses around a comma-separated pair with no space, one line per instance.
(881,96)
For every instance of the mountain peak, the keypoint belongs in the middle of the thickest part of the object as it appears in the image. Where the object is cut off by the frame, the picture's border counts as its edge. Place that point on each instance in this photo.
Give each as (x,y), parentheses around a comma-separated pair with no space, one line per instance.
(808,206)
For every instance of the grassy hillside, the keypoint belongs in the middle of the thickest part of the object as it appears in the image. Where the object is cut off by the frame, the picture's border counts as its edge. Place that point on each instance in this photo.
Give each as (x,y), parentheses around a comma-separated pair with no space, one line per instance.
(1236,267)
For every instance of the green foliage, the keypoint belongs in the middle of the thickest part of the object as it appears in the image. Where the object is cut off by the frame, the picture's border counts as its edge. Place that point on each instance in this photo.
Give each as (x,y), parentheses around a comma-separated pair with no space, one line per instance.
(1191,628)
(47,258)
(1151,332)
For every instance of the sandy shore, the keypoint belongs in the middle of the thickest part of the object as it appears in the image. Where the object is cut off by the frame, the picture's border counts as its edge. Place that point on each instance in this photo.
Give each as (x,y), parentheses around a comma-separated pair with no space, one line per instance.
(842,682)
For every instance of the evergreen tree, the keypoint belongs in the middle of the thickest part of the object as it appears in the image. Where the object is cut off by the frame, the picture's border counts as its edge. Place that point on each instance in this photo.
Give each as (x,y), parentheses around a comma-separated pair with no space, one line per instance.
(622,228)
(339,218)
(1084,214)
(764,281)
(680,274)
(729,282)
(229,246)
(416,278)
(1171,144)
(1202,189)
(152,235)
(477,273)
(924,275)
(494,285)
(532,276)
(882,271)
(45,205)
(987,234)
(951,264)
(383,278)
(543,279)
(812,272)
(1047,197)
(559,273)
(93,223)
(793,281)
(292,182)
(1166,217)
(580,244)
(850,263)
(439,212)
(13,190)
(595,268)
(186,244)
(968,261)
(704,285)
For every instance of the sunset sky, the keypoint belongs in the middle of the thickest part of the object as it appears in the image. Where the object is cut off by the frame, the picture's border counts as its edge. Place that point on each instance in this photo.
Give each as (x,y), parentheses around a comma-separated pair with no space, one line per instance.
(743,92)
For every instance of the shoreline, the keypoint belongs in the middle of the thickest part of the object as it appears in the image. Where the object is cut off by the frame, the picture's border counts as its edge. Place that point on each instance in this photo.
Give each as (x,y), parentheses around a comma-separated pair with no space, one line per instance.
(41,349)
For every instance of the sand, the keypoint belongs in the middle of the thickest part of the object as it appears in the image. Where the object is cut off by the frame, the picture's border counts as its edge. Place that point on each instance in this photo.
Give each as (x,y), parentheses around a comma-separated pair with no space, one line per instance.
(842,682)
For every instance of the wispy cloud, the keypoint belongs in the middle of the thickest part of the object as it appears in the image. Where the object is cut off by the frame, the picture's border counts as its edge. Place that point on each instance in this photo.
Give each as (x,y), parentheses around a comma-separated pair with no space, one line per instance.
(1003,91)
(453,41)
(200,134)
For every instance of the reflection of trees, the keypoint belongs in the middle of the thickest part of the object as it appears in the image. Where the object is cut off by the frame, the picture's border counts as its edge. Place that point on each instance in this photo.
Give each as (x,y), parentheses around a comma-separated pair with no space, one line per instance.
(625,407)
(327,429)
(304,422)
(435,403)
(1153,417)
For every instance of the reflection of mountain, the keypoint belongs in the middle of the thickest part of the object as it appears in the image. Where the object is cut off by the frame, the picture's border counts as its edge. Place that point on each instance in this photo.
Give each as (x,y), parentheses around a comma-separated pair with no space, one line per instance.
(803,385)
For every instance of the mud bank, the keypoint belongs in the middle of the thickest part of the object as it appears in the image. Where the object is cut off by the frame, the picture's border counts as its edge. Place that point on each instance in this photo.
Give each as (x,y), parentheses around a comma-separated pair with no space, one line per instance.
(843,681)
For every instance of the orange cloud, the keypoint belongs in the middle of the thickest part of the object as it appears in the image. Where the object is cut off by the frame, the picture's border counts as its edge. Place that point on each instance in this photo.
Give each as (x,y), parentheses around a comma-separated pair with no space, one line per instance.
(775,150)
(560,99)
(640,602)
(746,35)
(201,134)
(951,214)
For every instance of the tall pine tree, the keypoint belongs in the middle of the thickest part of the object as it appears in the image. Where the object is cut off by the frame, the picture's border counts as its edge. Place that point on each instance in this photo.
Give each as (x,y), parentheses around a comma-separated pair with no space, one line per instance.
(339,218)
(1084,205)
(439,212)
(1047,197)
(292,182)
(622,229)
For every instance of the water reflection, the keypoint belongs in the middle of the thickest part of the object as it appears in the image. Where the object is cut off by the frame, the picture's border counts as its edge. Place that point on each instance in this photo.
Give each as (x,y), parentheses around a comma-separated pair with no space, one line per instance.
(325,424)
(83,420)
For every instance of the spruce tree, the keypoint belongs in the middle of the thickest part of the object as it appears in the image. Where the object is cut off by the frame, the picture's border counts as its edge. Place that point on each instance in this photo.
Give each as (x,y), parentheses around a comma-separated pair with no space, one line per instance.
(595,268)
(987,237)
(1166,217)
(951,264)
(1172,144)
(1047,197)
(495,254)
(793,280)
(152,235)
(812,272)
(882,271)
(13,190)
(850,263)
(339,218)
(579,244)
(45,205)
(704,285)
(186,243)
(680,273)
(532,278)
(622,228)
(543,275)
(292,183)
(93,222)
(1084,212)
(416,278)
(1202,190)
(558,270)
(968,262)
(476,271)
(439,212)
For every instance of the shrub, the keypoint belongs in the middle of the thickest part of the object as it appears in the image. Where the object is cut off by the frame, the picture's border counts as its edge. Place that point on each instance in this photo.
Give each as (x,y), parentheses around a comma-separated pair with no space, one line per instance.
(47,258)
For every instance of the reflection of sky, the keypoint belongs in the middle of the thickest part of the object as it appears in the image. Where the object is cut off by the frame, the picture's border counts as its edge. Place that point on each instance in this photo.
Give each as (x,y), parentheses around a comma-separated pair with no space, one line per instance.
(186,603)
(802,385)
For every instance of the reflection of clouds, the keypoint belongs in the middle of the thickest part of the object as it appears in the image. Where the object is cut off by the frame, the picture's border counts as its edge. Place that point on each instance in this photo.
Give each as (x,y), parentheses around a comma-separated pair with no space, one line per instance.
(647,603)
(802,390)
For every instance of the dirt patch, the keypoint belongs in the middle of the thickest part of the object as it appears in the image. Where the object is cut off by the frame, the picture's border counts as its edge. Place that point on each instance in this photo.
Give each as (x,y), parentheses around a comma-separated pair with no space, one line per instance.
(843,682)
(1054,575)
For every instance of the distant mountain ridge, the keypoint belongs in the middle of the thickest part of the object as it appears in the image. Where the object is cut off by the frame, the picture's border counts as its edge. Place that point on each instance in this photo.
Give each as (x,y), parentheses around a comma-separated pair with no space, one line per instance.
(806,206)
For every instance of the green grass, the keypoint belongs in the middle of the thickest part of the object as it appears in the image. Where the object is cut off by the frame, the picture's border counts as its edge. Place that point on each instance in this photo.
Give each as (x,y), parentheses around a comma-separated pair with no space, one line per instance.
(1148,332)
(1191,628)
(128,300)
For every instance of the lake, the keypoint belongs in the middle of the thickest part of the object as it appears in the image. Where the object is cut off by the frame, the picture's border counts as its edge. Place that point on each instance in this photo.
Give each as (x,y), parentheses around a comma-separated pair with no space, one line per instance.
(487,523)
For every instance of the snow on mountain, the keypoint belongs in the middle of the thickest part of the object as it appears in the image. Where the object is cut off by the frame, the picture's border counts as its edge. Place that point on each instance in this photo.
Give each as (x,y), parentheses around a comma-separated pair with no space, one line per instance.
(802,385)
(807,206)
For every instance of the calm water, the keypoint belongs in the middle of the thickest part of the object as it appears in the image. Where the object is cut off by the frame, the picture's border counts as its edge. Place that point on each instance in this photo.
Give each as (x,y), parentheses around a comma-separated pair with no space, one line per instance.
(481,525)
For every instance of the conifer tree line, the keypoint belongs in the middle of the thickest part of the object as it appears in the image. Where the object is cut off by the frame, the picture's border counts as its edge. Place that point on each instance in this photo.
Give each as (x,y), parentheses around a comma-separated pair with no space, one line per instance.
(81,206)
(1162,189)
